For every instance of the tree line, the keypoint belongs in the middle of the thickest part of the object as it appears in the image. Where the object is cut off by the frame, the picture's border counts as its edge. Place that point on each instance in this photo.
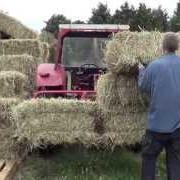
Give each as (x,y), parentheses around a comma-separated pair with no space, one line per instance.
(141,18)
(90,50)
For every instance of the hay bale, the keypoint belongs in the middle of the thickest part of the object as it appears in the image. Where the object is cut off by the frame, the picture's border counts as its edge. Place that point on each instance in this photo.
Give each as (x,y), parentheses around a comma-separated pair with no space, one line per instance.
(119,93)
(119,53)
(178,52)
(12,84)
(47,37)
(6,130)
(123,129)
(21,46)
(14,28)
(54,121)
(31,47)
(123,108)
(5,110)
(25,64)
(22,63)
(45,51)
(126,49)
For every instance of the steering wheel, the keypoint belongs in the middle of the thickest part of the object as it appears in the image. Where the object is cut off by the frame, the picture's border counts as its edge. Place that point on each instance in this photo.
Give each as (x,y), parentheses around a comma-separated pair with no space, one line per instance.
(89,66)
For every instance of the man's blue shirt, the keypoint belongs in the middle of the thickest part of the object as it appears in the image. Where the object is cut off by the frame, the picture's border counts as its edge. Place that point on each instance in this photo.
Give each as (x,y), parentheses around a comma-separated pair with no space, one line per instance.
(161,82)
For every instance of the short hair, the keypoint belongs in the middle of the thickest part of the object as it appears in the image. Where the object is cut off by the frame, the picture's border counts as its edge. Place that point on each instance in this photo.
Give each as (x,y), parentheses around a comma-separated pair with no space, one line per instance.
(170,42)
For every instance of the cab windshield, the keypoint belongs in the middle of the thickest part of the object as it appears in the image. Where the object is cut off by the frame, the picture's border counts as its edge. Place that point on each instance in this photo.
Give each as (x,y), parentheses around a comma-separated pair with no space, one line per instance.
(80,51)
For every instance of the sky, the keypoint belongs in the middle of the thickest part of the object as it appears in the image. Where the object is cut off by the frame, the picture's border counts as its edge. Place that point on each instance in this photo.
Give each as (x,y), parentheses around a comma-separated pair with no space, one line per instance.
(33,13)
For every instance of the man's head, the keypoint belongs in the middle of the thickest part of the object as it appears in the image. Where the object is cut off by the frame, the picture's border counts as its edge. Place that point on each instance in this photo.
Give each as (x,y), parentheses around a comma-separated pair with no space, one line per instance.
(170,43)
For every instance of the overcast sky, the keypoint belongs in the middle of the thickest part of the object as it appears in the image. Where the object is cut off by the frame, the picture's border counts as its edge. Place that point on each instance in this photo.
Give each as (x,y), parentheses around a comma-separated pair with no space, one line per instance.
(33,13)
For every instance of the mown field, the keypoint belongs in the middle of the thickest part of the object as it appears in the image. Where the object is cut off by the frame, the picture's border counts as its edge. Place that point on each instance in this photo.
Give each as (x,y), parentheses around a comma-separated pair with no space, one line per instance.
(82,164)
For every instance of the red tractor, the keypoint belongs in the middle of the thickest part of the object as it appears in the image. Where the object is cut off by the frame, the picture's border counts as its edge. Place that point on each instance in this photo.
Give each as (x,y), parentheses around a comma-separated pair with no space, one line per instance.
(77,78)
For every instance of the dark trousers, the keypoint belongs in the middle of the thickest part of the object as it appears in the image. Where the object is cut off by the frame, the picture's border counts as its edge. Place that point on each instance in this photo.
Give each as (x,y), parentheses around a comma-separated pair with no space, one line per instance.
(153,144)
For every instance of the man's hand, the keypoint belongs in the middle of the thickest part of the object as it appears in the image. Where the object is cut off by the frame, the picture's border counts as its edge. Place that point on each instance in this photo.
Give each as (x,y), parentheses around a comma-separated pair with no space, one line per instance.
(140,66)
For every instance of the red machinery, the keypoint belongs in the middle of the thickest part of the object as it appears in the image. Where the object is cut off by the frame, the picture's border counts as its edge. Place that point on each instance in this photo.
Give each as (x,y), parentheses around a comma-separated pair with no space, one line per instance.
(59,80)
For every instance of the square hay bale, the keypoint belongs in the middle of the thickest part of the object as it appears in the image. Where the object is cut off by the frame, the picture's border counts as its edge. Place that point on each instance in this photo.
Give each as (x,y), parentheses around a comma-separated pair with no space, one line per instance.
(14,28)
(31,47)
(5,110)
(22,63)
(47,37)
(55,121)
(149,46)
(123,109)
(123,129)
(119,93)
(6,130)
(45,51)
(126,49)
(12,84)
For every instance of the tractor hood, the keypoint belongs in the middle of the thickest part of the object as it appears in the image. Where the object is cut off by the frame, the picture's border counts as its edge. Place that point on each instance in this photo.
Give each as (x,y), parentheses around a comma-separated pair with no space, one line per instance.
(48,75)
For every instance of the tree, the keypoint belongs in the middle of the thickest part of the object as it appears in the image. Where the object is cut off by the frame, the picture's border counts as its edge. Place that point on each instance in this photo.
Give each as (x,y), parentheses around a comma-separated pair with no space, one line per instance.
(100,15)
(78,22)
(160,20)
(175,20)
(52,25)
(124,15)
(143,19)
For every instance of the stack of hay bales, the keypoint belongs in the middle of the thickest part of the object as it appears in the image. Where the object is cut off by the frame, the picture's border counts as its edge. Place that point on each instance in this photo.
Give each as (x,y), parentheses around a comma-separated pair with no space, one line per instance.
(6,127)
(24,64)
(55,121)
(20,53)
(123,107)
(32,47)
(14,28)
(12,91)
(23,55)
(22,50)
(12,84)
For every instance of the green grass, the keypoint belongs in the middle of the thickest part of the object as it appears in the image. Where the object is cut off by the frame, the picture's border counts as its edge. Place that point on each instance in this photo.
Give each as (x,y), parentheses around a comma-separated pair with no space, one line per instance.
(81,164)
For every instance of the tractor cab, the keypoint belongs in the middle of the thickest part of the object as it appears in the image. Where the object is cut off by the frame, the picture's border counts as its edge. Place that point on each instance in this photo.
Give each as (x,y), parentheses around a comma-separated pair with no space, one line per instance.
(78,61)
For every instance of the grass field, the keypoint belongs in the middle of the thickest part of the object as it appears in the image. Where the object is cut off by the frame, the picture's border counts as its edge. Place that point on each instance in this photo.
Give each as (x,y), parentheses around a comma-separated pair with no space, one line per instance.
(81,164)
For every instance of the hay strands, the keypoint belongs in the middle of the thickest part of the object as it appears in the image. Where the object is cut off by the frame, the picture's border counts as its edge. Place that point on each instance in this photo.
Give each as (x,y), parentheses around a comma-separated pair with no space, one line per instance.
(8,168)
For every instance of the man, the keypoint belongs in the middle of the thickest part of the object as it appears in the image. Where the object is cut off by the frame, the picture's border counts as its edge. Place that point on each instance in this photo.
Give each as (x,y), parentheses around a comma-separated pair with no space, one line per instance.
(161,82)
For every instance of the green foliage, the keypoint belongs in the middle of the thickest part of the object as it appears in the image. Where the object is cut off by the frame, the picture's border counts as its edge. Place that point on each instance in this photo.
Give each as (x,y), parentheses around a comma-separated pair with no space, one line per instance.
(78,22)
(175,20)
(124,15)
(143,19)
(160,20)
(81,164)
(100,15)
(52,25)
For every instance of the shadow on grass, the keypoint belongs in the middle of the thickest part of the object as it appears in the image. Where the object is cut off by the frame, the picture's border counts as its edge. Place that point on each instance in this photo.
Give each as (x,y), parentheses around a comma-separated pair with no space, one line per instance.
(77,163)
